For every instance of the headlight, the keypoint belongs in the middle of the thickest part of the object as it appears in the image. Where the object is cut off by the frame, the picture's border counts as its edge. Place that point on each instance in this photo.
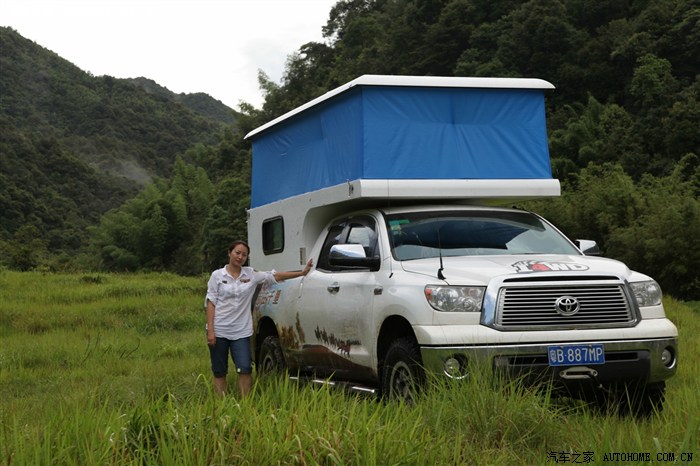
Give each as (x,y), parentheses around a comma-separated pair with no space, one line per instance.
(647,293)
(455,298)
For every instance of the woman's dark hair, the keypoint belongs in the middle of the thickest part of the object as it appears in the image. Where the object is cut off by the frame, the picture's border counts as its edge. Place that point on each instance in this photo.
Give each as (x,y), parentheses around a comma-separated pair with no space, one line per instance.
(236,243)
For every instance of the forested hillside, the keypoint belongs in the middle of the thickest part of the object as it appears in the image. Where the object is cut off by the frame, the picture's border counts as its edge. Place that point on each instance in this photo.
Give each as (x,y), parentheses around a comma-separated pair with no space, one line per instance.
(622,123)
(73,146)
(199,102)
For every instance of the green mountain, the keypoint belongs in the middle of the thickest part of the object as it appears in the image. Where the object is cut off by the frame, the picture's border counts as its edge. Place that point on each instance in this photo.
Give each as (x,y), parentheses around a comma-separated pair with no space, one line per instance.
(199,102)
(74,145)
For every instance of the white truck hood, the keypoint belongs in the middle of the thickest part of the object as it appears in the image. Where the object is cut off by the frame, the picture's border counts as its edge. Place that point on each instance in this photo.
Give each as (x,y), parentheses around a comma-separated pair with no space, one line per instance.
(480,270)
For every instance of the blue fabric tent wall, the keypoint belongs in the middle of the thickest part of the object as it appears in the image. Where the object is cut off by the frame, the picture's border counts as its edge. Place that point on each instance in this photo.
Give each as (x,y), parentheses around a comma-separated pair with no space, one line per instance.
(385,132)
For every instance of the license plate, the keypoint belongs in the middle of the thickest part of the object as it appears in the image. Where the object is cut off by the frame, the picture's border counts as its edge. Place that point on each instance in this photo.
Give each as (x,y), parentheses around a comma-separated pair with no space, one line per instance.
(573,355)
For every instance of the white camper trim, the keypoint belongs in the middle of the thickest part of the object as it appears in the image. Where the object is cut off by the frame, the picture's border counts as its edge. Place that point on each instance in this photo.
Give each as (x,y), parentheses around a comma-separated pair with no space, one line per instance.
(306,214)
(412,81)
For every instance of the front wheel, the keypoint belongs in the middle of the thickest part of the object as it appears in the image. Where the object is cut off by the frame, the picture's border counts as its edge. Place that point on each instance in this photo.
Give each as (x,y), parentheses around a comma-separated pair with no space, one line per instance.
(402,372)
(271,359)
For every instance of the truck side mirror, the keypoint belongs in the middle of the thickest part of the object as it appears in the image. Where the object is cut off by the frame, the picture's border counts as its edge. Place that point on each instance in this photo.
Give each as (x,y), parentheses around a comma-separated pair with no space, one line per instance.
(352,256)
(588,247)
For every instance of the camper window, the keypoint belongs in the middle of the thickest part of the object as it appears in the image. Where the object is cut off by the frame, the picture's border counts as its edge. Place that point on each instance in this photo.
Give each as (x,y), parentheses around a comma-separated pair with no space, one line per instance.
(273,235)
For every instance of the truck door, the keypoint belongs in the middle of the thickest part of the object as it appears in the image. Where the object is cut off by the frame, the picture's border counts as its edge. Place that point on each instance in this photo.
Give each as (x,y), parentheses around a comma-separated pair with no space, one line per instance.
(315,354)
(345,326)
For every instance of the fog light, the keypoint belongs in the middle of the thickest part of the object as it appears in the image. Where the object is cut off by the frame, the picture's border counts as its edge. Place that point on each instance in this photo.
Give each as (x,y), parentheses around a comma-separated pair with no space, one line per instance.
(667,357)
(455,368)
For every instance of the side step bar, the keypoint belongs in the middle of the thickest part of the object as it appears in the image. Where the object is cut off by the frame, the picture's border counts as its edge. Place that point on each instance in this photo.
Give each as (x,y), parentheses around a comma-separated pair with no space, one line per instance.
(348,386)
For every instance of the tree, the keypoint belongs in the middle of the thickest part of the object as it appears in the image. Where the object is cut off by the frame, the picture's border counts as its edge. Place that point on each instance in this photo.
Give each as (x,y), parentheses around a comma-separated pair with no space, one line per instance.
(27,250)
(652,82)
(226,220)
(679,126)
(161,228)
(597,133)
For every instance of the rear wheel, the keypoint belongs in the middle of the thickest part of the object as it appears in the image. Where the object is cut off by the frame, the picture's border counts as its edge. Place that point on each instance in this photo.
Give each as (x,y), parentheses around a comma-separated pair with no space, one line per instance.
(402,373)
(271,359)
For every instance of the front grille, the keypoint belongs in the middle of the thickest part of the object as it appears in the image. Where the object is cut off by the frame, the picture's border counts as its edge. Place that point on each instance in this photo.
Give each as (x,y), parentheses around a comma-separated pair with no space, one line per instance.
(603,305)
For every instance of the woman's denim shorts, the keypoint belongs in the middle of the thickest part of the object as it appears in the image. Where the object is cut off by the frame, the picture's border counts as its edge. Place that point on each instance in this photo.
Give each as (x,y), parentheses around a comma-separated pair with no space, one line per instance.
(240,353)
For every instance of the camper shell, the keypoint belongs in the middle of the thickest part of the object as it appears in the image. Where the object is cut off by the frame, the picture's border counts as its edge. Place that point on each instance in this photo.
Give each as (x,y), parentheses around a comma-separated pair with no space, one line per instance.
(383,140)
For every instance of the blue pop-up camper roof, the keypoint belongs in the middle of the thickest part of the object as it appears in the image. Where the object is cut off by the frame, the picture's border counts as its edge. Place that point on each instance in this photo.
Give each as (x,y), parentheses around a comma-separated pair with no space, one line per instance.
(404,128)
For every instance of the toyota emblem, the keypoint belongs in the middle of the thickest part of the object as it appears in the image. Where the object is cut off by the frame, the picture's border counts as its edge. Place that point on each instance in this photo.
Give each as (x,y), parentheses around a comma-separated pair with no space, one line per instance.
(567,305)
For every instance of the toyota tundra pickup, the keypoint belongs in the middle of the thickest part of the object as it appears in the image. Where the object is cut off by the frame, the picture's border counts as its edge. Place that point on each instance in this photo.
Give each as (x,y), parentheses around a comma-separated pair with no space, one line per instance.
(392,186)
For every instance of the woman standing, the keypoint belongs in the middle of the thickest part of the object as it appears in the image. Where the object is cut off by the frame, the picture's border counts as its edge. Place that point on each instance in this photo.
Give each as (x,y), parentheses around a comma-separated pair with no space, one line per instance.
(229,321)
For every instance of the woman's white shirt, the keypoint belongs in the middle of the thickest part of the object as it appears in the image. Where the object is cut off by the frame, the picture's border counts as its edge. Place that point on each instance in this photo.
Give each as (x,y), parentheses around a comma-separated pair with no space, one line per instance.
(232,299)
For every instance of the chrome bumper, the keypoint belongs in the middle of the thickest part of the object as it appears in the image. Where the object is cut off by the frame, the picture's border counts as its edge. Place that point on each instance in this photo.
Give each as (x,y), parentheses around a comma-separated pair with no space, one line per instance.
(625,360)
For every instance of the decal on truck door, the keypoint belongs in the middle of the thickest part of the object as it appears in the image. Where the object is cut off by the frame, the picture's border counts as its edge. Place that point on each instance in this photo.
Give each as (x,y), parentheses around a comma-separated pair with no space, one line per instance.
(292,337)
(342,346)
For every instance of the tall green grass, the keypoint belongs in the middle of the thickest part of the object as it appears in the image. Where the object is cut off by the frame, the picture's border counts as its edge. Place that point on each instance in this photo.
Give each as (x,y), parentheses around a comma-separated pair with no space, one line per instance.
(114,369)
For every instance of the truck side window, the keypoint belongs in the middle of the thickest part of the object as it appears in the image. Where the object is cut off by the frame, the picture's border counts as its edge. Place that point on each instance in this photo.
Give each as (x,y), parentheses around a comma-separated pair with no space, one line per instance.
(364,234)
(334,236)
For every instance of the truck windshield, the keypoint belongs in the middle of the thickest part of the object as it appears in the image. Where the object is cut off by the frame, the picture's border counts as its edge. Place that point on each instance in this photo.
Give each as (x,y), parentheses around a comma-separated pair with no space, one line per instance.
(417,235)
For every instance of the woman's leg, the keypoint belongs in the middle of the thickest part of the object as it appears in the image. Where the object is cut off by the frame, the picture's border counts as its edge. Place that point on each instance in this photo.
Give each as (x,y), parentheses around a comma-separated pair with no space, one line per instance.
(220,385)
(219,364)
(240,353)
(245,383)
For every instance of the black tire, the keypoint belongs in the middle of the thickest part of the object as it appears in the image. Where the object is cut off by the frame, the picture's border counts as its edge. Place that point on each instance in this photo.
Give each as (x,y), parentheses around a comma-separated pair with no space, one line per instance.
(271,360)
(402,372)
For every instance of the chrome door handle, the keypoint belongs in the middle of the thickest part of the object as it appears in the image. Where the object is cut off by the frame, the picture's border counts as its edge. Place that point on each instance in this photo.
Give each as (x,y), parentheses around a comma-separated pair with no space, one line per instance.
(334,288)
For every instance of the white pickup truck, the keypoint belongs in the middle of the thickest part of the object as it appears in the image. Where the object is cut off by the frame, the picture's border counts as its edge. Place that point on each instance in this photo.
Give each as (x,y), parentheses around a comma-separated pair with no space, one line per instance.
(423,274)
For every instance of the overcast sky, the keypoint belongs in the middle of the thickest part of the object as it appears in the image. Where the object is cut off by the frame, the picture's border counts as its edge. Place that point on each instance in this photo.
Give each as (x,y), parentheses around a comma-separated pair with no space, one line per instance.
(212,46)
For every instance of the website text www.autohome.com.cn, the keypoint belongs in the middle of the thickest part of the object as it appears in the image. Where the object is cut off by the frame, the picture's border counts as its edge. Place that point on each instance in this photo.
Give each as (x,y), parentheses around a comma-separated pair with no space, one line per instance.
(586,457)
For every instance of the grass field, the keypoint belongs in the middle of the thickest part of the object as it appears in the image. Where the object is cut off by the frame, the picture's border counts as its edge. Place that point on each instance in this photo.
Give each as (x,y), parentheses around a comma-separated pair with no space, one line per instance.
(114,369)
